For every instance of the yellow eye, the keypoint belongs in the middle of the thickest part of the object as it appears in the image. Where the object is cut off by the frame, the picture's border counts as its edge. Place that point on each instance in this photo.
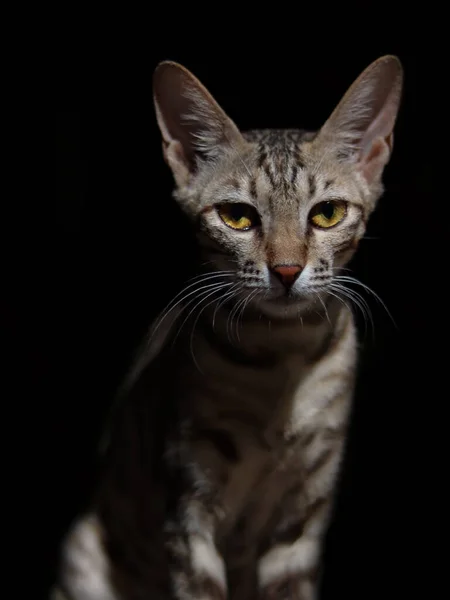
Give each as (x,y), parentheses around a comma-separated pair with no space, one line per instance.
(238,215)
(328,214)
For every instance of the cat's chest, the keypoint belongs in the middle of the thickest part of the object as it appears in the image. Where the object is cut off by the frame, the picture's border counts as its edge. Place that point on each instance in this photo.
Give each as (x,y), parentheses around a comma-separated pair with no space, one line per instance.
(251,481)
(240,437)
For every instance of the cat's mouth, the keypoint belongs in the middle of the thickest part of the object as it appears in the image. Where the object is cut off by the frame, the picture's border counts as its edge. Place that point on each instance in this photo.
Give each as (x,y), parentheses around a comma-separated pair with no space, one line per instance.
(285,296)
(287,299)
(284,305)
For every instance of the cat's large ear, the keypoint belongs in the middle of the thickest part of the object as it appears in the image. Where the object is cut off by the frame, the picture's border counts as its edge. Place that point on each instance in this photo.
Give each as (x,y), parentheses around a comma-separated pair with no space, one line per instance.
(361,126)
(193,126)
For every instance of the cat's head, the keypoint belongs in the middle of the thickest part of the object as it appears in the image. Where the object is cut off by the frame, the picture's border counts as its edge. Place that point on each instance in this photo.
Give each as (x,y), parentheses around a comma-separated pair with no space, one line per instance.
(281,211)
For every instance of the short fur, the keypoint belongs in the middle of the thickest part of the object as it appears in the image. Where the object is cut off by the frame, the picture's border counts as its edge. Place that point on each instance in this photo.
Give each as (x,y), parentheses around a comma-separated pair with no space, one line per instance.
(222,460)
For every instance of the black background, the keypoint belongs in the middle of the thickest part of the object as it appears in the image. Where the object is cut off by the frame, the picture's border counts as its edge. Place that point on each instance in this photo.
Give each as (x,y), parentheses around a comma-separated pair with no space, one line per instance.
(111,267)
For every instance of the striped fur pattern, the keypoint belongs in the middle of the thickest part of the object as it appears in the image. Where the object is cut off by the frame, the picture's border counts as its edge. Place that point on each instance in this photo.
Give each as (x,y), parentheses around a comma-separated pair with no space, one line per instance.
(224,452)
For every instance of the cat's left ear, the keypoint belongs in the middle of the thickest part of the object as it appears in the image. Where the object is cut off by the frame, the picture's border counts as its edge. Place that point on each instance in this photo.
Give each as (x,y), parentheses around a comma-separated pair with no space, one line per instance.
(194,127)
(361,127)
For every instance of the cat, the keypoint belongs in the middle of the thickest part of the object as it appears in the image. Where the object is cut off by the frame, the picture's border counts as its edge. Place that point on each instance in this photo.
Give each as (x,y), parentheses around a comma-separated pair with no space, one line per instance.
(221,465)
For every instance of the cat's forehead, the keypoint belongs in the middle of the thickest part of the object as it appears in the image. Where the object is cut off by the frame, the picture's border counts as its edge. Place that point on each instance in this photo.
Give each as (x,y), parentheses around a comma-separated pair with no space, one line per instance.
(279,158)
(277,164)
(278,140)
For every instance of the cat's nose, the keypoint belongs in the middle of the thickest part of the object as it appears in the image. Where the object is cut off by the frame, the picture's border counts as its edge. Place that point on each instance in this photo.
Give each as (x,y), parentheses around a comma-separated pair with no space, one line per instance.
(287,274)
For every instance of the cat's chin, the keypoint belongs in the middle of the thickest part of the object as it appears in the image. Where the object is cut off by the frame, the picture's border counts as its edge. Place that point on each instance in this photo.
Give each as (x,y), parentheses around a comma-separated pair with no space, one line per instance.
(284,307)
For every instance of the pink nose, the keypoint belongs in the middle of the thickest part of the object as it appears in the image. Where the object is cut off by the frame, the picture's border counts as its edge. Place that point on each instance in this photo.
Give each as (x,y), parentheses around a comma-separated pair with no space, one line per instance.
(287,274)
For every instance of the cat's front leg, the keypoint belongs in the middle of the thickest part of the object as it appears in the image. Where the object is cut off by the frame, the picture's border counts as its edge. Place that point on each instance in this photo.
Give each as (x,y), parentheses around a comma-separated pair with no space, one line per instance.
(289,571)
(289,564)
(197,568)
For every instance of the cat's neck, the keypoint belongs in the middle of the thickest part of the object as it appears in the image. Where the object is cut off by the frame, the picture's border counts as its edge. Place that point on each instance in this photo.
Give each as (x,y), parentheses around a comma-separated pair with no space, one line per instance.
(253,366)
(247,338)
(256,336)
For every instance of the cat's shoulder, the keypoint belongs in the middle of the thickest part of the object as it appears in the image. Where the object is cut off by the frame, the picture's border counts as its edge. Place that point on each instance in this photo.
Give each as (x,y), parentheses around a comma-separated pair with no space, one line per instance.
(159,334)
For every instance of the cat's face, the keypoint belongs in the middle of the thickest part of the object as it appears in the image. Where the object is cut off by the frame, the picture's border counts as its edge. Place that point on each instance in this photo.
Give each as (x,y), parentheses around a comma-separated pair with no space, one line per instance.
(278,211)
(280,218)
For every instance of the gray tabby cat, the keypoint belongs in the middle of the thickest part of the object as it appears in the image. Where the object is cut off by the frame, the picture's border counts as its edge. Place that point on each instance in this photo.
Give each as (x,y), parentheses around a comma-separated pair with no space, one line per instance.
(220,468)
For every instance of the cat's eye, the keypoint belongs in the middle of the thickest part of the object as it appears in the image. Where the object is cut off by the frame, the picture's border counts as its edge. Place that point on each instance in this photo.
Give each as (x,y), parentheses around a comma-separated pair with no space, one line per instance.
(328,214)
(238,215)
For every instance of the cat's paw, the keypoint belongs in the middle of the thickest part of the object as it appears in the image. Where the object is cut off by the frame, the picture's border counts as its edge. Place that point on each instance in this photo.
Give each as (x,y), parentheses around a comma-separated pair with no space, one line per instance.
(292,587)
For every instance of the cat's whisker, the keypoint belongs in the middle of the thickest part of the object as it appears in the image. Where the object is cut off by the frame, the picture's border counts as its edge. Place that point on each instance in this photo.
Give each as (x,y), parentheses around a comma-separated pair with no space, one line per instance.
(358,301)
(191,339)
(339,298)
(198,300)
(210,275)
(229,324)
(322,158)
(203,276)
(345,278)
(339,269)
(221,301)
(243,162)
(248,299)
(319,314)
(238,154)
(171,306)
(212,262)
(239,306)
(336,295)
(324,307)
(233,312)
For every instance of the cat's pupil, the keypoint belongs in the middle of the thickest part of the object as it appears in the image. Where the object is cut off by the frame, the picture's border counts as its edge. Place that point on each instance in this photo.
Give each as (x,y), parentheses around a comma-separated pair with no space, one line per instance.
(237,212)
(328,210)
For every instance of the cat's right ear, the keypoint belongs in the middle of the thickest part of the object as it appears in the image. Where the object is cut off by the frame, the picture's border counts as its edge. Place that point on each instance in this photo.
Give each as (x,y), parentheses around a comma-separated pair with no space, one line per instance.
(193,126)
